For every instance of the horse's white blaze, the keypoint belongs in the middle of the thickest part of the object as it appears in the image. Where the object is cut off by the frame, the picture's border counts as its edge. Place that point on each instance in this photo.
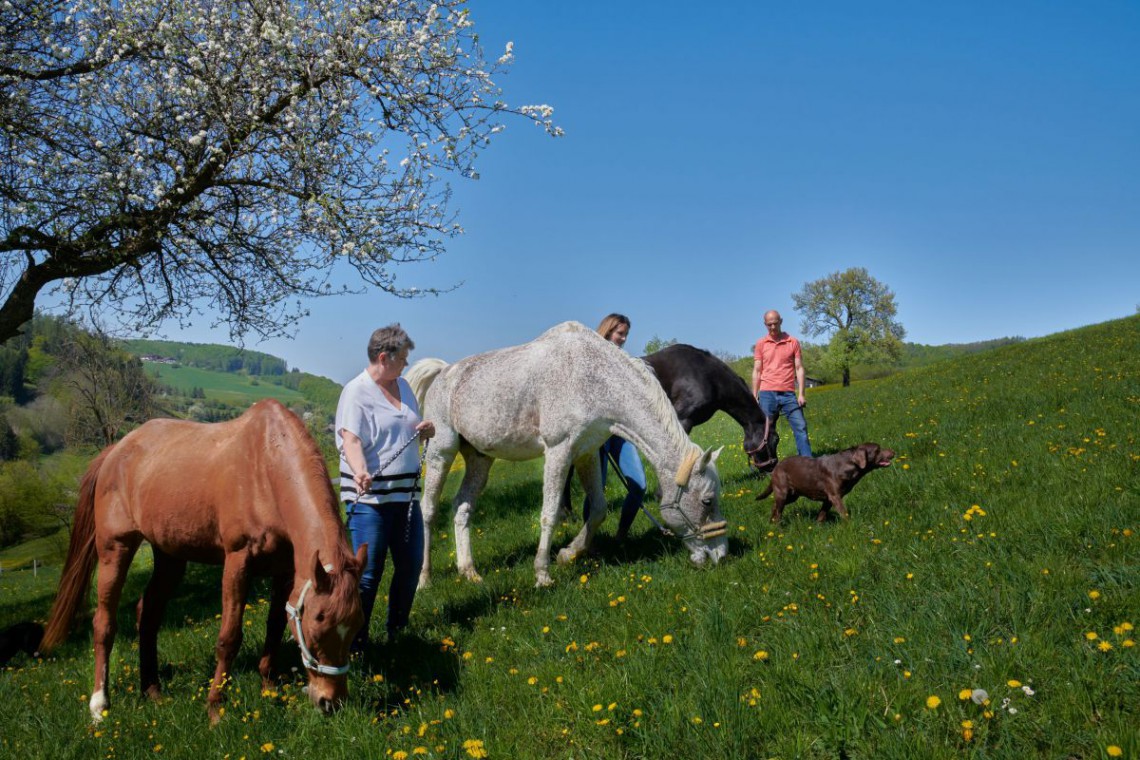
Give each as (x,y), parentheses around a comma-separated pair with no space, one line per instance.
(98,705)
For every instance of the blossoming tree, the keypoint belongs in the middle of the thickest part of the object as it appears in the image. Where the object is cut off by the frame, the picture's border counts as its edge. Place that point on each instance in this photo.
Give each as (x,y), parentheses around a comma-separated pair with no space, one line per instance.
(161,158)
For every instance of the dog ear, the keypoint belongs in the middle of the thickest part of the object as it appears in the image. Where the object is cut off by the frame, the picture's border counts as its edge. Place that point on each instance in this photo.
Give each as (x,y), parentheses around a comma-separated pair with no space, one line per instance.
(859,456)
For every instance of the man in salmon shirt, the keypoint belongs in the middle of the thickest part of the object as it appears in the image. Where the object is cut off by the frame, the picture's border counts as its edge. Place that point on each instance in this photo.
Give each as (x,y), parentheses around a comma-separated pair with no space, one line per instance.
(778,379)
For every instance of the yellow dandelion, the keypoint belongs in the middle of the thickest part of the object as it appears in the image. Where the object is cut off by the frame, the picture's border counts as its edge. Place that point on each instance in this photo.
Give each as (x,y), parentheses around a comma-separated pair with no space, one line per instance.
(965,694)
(597,708)
(1094,595)
(1091,636)
(667,638)
(267,747)
(1104,646)
(761,655)
(1013,683)
(932,702)
(1113,750)
(399,755)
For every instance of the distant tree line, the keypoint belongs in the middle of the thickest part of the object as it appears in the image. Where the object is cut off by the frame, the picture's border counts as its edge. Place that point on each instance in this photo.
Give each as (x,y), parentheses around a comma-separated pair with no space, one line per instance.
(210,356)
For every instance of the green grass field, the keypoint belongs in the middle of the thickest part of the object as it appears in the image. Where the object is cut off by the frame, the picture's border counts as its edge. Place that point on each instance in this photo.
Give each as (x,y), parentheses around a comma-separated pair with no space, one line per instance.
(221,386)
(979,603)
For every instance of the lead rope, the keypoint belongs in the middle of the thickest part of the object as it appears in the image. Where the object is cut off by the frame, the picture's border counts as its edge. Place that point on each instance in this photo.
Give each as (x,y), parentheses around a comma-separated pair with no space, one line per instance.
(383,466)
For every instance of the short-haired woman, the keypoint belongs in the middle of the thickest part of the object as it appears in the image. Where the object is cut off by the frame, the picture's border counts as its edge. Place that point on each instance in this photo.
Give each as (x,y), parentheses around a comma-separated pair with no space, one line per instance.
(377,419)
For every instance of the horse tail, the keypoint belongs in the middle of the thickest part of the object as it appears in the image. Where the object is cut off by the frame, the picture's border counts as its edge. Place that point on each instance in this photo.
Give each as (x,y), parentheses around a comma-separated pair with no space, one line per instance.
(420,377)
(76,576)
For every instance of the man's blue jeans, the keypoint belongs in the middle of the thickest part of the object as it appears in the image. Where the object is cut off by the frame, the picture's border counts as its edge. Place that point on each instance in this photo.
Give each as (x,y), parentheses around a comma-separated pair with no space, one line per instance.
(386,528)
(775,403)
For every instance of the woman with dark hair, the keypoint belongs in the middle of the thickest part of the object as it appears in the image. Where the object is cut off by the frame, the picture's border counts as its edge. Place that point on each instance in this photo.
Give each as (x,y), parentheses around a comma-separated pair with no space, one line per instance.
(377,420)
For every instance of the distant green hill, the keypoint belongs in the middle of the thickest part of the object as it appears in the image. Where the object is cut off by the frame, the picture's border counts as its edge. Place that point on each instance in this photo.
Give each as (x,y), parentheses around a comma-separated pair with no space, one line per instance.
(913,355)
(221,386)
(232,375)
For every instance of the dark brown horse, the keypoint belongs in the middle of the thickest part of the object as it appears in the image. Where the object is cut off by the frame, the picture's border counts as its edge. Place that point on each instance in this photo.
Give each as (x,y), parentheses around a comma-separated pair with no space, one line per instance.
(699,384)
(252,495)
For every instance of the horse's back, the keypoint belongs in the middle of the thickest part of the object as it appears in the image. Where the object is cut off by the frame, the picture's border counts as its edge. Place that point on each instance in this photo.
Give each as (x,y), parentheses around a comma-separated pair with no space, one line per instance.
(189,487)
(509,403)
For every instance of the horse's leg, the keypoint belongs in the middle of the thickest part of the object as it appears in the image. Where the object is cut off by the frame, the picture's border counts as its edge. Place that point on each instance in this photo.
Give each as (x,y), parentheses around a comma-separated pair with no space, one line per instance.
(275,624)
(589,472)
(235,584)
(114,561)
(474,479)
(554,472)
(440,456)
(168,573)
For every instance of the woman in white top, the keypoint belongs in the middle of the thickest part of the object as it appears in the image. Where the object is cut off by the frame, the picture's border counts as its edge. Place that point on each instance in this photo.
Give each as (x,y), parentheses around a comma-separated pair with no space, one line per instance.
(377,419)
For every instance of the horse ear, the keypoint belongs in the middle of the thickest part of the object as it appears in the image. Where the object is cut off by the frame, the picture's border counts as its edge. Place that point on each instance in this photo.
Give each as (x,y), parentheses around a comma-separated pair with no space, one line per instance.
(362,557)
(321,580)
(708,456)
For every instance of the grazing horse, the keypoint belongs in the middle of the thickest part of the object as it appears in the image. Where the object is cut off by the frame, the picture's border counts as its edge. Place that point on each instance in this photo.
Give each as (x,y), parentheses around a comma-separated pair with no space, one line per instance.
(561,395)
(252,495)
(699,385)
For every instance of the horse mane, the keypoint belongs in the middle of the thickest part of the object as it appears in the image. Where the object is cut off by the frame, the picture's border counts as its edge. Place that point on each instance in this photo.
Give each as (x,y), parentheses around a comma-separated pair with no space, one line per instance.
(662,407)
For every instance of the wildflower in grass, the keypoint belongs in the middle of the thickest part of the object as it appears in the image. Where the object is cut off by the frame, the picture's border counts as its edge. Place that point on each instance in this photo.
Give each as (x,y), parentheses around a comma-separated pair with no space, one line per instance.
(1113,750)
(475,748)
(850,632)
(267,747)
(399,755)
(1091,635)
(760,656)
(597,708)
(532,680)
(420,751)
(448,714)
(965,694)
(932,702)
(1013,683)
(1104,646)
(1029,692)
(584,578)
(900,640)
(1128,643)
(667,638)
(1094,595)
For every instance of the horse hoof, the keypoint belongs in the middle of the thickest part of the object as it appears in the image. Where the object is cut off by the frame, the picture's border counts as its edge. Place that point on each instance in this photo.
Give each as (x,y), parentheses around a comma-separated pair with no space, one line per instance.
(153,693)
(472,576)
(215,714)
(425,582)
(565,557)
(543,580)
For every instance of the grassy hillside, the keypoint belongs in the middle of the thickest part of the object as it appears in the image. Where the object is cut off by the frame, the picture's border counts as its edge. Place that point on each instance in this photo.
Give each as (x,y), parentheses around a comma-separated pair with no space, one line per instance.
(221,386)
(998,555)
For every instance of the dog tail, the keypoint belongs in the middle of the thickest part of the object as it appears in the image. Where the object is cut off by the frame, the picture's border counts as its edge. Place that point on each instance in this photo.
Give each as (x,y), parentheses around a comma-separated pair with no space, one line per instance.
(766,492)
(75,579)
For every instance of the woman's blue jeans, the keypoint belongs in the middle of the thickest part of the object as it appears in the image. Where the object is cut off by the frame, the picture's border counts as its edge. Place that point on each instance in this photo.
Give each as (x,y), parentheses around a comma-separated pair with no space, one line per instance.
(775,403)
(386,528)
(632,473)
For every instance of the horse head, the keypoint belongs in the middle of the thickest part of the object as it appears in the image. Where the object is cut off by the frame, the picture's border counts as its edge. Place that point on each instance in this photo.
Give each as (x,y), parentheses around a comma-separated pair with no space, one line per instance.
(325,618)
(694,514)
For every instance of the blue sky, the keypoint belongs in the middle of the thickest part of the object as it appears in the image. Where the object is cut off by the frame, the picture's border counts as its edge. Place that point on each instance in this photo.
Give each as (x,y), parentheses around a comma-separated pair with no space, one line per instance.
(980,159)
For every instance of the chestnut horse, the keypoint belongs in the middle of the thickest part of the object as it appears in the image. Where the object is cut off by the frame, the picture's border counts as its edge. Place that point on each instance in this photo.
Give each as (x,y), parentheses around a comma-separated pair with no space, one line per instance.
(252,495)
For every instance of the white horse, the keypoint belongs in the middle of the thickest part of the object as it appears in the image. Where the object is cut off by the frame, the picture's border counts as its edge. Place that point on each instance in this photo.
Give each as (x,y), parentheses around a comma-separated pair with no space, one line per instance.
(561,395)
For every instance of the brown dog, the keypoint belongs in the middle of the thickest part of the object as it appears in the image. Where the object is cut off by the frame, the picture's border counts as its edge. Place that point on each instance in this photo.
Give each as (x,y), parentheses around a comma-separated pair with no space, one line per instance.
(826,479)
